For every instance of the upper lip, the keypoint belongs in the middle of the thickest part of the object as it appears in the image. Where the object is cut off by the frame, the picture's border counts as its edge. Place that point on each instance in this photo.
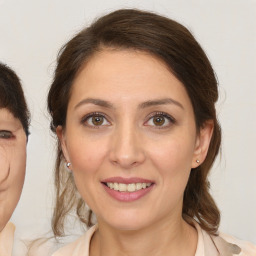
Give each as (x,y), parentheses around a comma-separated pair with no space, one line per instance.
(126,180)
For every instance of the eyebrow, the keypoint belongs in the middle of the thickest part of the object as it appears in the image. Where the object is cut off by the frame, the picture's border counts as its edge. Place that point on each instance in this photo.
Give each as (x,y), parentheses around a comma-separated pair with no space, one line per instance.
(97,102)
(157,102)
(146,104)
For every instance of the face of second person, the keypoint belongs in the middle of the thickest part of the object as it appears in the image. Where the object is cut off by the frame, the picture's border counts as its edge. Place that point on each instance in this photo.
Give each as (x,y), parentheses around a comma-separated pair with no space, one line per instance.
(131,139)
(12,163)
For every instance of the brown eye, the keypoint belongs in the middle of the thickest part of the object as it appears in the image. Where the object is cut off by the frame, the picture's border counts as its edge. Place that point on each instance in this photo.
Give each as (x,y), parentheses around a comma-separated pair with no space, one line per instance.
(97,120)
(5,135)
(158,120)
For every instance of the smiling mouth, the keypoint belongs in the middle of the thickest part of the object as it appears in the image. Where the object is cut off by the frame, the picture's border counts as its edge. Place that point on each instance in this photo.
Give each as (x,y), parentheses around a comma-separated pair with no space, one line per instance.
(131,187)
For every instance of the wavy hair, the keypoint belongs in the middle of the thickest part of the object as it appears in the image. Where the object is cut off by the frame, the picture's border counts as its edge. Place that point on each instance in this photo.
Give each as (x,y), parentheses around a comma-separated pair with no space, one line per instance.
(172,43)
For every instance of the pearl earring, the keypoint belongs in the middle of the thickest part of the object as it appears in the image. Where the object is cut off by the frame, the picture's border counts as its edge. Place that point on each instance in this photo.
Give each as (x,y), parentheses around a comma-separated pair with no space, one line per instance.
(197,161)
(68,167)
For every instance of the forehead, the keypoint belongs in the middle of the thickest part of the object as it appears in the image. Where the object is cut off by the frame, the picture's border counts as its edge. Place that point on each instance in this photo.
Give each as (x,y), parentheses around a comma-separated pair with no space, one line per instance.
(8,119)
(114,62)
(126,74)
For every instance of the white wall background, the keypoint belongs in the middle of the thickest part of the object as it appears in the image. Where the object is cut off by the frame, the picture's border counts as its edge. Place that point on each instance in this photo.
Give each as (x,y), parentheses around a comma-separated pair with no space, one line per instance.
(31,33)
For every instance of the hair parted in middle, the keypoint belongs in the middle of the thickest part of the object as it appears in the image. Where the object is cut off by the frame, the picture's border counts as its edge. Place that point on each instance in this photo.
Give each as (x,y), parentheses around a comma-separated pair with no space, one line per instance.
(173,44)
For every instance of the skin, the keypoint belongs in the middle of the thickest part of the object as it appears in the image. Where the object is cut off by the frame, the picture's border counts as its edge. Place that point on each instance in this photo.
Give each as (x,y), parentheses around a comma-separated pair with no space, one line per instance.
(13,162)
(130,143)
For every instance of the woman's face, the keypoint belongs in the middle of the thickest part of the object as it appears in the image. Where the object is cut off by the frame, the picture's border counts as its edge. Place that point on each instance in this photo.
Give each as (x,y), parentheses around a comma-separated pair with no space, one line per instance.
(131,139)
(12,163)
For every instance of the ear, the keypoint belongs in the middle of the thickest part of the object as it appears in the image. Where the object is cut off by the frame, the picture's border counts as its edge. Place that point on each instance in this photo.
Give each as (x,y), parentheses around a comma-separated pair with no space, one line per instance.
(61,136)
(202,144)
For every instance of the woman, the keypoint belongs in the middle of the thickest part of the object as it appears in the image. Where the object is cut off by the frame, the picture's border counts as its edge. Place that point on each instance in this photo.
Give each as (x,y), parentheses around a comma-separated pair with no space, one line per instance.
(14,123)
(132,104)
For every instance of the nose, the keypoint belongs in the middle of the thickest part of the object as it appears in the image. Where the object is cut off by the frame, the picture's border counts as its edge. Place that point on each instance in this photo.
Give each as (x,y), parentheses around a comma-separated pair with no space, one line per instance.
(126,147)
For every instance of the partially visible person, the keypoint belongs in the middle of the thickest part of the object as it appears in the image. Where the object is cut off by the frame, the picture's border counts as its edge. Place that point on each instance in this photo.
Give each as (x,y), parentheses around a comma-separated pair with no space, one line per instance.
(14,130)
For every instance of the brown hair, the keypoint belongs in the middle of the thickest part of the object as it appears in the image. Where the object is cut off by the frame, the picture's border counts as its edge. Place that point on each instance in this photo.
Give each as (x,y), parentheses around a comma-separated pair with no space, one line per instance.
(12,96)
(176,46)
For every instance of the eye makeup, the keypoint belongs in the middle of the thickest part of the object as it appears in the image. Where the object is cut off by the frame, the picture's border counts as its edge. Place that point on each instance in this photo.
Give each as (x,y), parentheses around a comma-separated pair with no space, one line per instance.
(95,120)
(4,134)
(157,119)
(160,120)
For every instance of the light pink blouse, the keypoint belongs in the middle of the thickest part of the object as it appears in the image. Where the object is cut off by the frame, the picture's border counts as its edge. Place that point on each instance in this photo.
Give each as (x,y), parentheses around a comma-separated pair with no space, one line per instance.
(207,245)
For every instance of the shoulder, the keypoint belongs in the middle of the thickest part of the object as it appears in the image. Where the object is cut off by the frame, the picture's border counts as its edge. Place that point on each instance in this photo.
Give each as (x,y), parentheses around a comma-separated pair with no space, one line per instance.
(6,239)
(247,248)
(230,246)
(222,244)
(80,247)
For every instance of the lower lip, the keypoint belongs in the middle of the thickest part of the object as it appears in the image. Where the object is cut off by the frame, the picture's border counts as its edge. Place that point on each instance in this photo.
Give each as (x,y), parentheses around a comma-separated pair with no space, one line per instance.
(127,196)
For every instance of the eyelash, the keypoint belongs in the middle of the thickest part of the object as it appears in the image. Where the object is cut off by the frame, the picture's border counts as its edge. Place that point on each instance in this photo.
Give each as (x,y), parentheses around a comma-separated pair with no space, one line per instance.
(85,119)
(161,114)
(6,134)
(170,119)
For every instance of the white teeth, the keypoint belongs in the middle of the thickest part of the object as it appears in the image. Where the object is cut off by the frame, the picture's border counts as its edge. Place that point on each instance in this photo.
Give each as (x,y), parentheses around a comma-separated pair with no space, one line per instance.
(128,187)
(122,187)
(138,186)
(131,187)
(116,187)
(110,185)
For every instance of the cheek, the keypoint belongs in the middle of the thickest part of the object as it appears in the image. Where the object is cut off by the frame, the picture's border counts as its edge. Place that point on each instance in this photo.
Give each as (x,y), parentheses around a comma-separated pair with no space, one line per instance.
(13,165)
(4,164)
(86,155)
(17,169)
(17,174)
(172,159)
(13,161)
(173,155)
(11,186)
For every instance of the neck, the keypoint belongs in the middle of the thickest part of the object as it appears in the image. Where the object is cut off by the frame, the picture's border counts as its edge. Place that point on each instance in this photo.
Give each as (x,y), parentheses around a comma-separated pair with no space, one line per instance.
(166,238)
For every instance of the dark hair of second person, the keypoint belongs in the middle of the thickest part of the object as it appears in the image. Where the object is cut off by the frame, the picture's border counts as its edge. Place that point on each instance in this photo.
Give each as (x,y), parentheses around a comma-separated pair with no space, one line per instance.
(12,96)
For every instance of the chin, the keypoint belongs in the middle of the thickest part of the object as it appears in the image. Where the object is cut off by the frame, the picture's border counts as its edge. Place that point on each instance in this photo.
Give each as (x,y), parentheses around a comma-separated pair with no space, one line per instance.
(126,222)
(126,226)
